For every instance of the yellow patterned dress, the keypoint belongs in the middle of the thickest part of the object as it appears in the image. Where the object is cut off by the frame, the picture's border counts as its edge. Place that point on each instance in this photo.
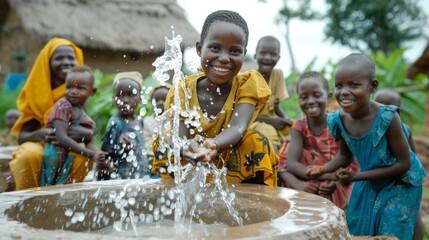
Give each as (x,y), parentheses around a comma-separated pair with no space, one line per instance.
(254,152)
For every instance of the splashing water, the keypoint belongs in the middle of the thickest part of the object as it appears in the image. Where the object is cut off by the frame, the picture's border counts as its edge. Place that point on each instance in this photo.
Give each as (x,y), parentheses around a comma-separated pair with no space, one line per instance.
(195,185)
(192,186)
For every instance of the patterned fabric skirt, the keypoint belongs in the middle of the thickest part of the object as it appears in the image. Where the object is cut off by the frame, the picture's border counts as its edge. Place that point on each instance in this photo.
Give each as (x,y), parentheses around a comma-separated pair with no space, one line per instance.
(254,153)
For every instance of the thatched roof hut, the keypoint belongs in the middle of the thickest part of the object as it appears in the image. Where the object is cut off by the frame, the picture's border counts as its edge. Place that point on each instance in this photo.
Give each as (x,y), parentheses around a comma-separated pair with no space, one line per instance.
(116,35)
(421,65)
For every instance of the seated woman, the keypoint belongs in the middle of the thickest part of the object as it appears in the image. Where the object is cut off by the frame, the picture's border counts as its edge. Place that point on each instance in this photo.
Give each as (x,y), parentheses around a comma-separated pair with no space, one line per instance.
(44,86)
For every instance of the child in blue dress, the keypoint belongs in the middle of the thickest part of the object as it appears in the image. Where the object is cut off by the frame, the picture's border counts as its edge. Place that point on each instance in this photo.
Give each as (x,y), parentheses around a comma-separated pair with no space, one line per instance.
(123,139)
(390,97)
(386,194)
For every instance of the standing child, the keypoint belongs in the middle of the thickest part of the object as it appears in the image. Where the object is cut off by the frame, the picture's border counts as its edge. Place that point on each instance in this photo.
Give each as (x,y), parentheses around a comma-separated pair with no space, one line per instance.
(389,97)
(158,96)
(386,194)
(69,110)
(312,144)
(123,139)
(227,102)
(272,121)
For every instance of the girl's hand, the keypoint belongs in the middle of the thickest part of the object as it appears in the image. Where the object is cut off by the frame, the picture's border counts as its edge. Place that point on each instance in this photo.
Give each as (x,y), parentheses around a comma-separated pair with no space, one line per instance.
(211,145)
(276,101)
(106,169)
(194,152)
(126,140)
(100,158)
(307,187)
(345,175)
(280,123)
(327,188)
(47,135)
(314,171)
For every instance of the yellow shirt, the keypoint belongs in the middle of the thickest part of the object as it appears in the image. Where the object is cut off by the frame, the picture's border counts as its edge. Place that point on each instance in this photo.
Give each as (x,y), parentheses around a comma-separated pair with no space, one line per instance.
(247,87)
(278,89)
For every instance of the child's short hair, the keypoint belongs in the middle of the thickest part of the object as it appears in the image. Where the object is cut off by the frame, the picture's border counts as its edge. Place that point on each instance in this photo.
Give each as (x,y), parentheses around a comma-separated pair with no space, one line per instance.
(268,38)
(224,16)
(166,86)
(134,76)
(82,69)
(360,60)
(313,74)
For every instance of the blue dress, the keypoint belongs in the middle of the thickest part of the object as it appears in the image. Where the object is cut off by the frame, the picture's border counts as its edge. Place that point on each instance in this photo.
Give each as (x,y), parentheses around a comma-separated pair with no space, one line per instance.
(133,164)
(386,207)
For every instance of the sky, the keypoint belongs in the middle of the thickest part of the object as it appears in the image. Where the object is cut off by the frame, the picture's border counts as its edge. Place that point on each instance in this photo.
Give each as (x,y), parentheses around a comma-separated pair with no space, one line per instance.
(307,38)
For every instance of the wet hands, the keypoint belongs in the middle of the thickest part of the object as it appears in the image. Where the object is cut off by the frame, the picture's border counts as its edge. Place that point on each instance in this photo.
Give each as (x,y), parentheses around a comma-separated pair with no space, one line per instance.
(345,175)
(127,141)
(314,171)
(104,165)
(309,187)
(204,153)
(100,157)
(327,188)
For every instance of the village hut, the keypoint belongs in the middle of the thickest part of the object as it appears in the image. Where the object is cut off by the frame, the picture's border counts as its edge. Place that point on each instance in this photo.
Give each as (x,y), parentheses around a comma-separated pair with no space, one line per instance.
(115,35)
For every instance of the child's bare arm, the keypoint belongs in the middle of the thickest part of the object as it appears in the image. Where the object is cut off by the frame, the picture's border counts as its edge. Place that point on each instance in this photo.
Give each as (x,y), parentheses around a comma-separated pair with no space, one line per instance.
(279,122)
(79,133)
(410,140)
(343,159)
(68,143)
(298,184)
(240,119)
(99,156)
(277,108)
(294,154)
(225,140)
(398,145)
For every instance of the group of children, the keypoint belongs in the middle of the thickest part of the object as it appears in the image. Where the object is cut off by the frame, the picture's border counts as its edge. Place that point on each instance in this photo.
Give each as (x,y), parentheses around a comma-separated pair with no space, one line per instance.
(358,156)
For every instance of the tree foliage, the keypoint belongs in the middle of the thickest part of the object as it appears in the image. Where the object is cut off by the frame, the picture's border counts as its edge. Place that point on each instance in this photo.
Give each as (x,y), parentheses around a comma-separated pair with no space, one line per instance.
(301,11)
(383,25)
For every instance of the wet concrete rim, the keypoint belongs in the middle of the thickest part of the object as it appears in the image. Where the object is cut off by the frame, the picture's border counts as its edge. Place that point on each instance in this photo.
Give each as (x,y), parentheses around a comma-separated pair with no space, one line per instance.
(309,216)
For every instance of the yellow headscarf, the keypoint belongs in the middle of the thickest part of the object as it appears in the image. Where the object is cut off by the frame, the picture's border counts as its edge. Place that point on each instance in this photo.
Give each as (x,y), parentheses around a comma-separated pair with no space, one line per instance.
(37,98)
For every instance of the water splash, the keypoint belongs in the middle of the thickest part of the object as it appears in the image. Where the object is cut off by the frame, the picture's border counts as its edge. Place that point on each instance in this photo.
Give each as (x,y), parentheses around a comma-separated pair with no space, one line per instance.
(195,185)
(192,185)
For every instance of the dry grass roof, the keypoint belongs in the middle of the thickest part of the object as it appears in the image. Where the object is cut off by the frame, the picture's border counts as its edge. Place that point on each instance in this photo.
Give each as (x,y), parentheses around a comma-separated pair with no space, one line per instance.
(132,25)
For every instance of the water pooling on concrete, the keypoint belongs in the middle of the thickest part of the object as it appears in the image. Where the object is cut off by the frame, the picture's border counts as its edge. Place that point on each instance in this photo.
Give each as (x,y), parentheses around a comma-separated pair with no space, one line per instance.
(89,211)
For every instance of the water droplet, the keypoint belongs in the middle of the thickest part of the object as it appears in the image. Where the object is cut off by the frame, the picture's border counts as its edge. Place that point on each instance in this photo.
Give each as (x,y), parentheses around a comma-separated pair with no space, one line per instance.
(142,112)
(132,135)
(69,212)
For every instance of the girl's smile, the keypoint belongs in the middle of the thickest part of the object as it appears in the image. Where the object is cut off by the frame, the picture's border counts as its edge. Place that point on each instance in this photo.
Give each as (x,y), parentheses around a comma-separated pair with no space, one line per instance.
(222,52)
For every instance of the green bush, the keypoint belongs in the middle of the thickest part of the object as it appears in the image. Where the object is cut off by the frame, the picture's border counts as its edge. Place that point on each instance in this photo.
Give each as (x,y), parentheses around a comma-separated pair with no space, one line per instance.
(7,101)
(391,73)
